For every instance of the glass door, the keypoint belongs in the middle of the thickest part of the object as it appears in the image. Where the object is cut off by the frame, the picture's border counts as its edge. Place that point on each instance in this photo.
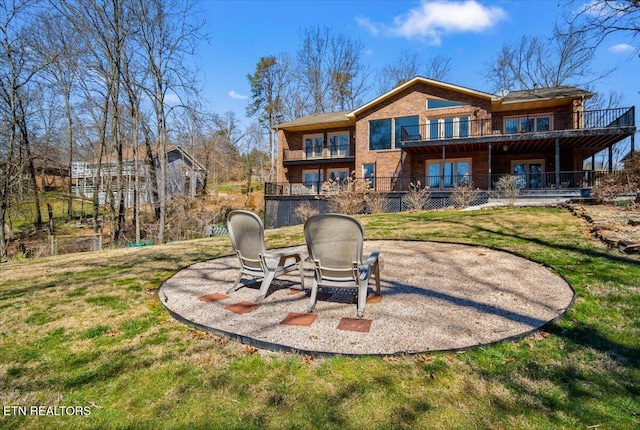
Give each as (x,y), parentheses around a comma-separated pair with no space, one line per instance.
(530,173)
(448,173)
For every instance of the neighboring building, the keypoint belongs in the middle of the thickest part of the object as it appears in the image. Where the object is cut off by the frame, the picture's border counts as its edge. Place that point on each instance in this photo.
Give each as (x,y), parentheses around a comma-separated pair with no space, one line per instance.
(184,176)
(443,135)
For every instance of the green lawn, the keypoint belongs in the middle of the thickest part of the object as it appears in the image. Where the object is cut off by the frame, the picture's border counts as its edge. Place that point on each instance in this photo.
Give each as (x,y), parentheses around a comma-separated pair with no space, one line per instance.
(88,330)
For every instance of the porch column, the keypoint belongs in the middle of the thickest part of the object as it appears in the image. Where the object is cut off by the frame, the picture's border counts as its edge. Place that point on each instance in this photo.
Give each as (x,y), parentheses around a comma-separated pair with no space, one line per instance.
(402,155)
(489,173)
(610,159)
(442,168)
(557,162)
(319,179)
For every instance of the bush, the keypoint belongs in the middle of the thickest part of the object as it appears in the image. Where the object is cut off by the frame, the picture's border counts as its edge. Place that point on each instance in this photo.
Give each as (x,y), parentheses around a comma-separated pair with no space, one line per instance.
(304,211)
(417,197)
(347,196)
(620,183)
(464,195)
(508,188)
(377,203)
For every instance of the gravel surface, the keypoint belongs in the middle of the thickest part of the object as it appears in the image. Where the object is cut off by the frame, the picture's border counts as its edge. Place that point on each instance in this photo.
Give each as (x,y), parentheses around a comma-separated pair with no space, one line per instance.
(435,297)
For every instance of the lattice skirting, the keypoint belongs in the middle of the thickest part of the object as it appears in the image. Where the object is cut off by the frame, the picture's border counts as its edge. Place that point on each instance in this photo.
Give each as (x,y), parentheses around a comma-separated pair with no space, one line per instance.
(280,211)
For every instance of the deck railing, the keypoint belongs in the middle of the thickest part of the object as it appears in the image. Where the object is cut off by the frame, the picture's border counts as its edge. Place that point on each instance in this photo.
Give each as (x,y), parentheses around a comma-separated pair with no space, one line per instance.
(463,127)
(531,181)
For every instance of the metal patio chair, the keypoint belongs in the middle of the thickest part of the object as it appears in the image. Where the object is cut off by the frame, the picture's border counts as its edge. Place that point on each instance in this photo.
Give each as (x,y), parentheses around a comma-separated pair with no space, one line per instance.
(247,238)
(335,243)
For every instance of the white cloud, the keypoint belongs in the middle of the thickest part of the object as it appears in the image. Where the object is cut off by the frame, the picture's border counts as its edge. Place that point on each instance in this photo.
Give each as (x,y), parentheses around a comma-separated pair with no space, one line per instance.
(369,25)
(621,48)
(432,19)
(235,95)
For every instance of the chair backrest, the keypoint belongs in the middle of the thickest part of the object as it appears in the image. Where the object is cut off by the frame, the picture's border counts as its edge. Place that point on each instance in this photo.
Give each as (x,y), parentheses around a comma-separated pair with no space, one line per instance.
(247,235)
(335,240)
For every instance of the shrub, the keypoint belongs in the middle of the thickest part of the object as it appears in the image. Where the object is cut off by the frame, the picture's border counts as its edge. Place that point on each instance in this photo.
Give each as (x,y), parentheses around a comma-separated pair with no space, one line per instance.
(378,203)
(417,197)
(304,211)
(508,188)
(346,196)
(464,195)
(623,182)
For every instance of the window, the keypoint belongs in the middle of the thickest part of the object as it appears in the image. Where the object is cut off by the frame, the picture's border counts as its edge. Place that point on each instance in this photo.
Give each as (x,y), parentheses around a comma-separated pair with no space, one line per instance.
(438,104)
(411,130)
(313,145)
(339,144)
(311,179)
(338,175)
(448,173)
(527,124)
(379,134)
(448,128)
(369,174)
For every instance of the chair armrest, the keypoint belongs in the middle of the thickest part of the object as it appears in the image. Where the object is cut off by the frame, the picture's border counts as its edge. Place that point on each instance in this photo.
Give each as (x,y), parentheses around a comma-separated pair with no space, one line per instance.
(372,259)
(279,254)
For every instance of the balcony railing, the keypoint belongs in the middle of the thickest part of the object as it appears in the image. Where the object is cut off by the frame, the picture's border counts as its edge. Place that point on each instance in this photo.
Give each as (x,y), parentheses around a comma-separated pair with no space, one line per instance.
(329,152)
(531,181)
(462,128)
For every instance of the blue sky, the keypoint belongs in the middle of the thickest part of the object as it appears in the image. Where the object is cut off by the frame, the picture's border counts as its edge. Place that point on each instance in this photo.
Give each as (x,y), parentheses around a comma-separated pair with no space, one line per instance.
(470,32)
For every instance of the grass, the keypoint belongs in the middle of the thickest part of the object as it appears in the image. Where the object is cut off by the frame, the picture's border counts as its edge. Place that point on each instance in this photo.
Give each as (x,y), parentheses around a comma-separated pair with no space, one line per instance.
(89,330)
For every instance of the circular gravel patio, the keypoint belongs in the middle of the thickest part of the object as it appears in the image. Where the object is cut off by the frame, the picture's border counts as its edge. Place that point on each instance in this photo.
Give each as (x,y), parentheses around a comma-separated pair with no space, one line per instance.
(435,297)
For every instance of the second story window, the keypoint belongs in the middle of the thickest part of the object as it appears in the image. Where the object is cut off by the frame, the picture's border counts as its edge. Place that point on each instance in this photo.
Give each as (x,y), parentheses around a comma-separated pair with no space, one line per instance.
(380,134)
(313,145)
(411,128)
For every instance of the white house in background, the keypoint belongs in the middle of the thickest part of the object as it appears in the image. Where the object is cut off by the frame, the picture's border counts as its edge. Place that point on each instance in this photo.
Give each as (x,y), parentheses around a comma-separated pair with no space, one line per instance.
(185,176)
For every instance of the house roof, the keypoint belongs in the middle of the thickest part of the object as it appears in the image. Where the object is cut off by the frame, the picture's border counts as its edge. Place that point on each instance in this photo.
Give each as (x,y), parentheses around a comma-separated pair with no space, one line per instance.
(419,79)
(524,99)
(331,119)
(562,92)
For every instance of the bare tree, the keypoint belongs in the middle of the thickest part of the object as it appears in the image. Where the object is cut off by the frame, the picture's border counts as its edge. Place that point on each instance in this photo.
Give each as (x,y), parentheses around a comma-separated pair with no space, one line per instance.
(165,36)
(328,68)
(63,75)
(596,20)
(562,59)
(408,66)
(19,65)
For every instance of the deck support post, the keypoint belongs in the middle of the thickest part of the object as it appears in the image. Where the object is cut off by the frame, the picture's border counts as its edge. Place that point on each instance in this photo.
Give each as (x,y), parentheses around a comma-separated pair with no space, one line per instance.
(402,156)
(610,159)
(442,169)
(489,173)
(558,162)
(633,144)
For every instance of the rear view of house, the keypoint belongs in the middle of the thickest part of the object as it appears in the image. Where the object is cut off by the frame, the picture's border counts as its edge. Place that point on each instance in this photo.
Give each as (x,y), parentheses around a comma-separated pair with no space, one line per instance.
(443,135)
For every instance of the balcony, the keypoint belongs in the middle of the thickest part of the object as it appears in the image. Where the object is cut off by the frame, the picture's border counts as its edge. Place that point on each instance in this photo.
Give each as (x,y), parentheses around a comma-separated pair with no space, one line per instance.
(315,155)
(595,128)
